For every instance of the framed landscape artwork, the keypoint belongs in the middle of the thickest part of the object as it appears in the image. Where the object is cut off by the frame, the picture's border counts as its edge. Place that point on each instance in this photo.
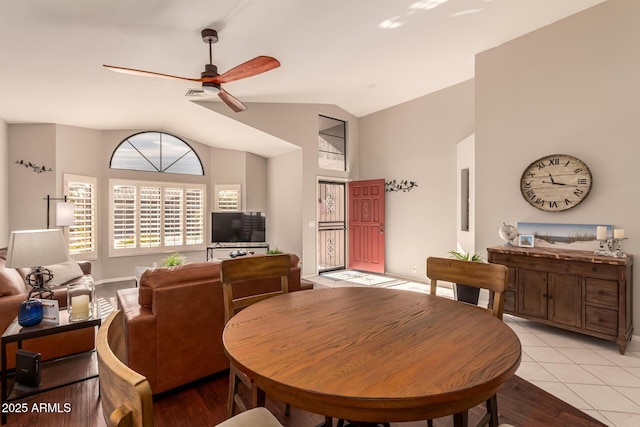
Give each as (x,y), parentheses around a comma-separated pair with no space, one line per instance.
(569,236)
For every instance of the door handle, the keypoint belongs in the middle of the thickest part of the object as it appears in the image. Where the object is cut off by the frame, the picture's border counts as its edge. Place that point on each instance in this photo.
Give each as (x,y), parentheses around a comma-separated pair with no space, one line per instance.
(381,228)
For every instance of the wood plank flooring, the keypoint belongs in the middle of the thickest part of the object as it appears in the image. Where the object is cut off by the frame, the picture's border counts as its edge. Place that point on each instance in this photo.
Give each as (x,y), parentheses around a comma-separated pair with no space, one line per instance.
(204,404)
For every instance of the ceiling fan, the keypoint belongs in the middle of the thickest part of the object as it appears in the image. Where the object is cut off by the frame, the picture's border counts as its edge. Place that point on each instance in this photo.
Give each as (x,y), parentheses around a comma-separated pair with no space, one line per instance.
(210,79)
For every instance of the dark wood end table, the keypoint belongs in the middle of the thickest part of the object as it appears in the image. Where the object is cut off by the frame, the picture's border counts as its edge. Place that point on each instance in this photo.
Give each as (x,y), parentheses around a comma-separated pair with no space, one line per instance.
(63,371)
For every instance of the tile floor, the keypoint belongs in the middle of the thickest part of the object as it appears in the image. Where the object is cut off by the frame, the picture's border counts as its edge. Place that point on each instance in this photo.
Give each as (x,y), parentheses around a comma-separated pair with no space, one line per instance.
(588,373)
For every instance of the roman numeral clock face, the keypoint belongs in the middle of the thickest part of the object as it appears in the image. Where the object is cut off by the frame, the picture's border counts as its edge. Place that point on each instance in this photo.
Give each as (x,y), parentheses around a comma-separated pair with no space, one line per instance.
(555,183)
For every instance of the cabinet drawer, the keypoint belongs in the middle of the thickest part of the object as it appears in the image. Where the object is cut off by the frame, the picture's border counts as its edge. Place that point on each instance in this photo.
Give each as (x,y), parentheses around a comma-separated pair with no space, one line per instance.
(602,292)
(602,320)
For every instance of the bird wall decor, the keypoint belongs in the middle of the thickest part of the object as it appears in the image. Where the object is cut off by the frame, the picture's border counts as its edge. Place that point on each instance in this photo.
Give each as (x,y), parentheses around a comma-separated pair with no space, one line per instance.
(35,168)
(403,186)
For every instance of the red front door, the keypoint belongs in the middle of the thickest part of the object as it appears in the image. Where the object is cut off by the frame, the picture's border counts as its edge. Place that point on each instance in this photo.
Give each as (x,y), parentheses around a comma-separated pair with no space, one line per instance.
(366,225)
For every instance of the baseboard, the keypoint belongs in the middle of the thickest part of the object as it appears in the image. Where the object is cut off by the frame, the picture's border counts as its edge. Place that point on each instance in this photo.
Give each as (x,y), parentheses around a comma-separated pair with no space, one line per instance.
(115,279)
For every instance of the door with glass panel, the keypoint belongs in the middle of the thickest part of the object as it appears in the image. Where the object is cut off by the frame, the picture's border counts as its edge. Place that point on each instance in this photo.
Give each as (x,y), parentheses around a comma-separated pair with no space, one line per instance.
(331,226)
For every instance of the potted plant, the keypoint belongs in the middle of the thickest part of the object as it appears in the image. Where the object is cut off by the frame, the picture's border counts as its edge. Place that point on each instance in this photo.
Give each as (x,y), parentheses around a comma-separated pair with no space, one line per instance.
(172,260)
(466,293)
(274,251)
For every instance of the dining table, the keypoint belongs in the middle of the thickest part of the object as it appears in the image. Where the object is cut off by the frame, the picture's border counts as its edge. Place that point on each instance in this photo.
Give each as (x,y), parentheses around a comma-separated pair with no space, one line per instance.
(373,354)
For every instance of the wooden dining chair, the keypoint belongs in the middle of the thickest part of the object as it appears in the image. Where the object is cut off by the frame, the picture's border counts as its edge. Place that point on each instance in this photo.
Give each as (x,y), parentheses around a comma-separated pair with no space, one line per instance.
(233,273)
(125,394)
(494,278)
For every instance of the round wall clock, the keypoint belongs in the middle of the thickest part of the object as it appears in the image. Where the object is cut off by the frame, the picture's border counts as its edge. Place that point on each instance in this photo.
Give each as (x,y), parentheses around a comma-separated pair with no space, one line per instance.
(555,183)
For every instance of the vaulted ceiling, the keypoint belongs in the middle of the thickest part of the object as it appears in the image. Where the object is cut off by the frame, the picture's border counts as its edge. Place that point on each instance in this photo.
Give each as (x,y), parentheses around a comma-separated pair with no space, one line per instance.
(361,55)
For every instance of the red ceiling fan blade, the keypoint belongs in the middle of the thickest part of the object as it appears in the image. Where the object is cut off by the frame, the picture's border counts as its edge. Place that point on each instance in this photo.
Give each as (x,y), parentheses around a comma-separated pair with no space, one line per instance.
(231,101)
(257,65)
(148,73)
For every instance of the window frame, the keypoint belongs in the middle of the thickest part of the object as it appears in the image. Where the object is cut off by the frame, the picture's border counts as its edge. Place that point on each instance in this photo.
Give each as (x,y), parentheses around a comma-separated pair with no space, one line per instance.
(324,161)
(184,206)
(163,168)
(94,239)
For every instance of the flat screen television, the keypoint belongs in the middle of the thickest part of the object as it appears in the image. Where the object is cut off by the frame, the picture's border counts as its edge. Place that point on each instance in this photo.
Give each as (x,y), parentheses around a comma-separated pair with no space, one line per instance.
(238,227)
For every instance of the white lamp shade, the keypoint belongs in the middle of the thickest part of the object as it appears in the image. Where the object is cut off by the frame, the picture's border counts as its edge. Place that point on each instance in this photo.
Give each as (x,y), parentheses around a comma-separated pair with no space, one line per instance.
(35,248)
(64,214)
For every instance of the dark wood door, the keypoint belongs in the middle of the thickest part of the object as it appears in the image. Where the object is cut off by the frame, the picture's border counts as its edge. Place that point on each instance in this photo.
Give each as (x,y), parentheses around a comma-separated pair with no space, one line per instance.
(532,293)
(366,225)
(565,299)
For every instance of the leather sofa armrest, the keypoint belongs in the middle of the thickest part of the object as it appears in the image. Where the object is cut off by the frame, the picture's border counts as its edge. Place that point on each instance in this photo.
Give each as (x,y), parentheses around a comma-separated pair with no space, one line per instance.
(9,306)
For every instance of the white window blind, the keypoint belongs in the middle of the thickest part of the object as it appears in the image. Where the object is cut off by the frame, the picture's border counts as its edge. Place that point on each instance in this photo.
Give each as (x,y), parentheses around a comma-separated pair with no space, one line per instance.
(81,190)
(228,198)
(151,217)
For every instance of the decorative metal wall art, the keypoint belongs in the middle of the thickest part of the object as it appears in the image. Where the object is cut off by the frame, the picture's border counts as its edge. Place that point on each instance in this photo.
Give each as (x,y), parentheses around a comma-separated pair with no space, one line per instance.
(35,168)
(403,185)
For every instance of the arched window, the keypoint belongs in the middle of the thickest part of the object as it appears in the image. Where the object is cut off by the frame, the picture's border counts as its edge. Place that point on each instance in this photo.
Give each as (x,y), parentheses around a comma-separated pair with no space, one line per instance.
(156,152)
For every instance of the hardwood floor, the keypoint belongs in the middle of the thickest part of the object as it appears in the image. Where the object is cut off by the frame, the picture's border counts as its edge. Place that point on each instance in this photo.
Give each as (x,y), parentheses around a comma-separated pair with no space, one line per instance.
(204,404)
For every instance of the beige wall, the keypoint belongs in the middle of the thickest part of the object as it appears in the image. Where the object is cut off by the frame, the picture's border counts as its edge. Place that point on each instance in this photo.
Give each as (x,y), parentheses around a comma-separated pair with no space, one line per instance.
(256,183)
(68,149)
(572,88)
(4,184)
(285,201)
(417,141)
(28,189)
(298,125)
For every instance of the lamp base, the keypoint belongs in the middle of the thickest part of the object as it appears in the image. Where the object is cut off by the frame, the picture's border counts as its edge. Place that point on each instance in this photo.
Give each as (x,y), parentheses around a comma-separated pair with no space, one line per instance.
(38,278)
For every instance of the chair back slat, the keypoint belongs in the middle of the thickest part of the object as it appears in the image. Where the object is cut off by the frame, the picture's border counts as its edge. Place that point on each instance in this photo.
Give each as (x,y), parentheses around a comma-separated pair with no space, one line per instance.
(493,277)
(125,394)
(236,271)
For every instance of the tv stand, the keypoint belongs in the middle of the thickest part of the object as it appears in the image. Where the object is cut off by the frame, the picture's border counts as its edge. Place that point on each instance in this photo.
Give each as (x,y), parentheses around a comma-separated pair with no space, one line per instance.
(217,251)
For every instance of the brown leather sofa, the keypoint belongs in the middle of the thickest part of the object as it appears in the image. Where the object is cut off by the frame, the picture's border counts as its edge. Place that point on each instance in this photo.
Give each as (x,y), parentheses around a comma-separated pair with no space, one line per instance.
(14,290)
(174,321)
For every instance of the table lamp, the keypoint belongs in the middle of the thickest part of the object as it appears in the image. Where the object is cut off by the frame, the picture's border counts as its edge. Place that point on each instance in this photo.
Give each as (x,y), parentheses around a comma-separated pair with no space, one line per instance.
(36,248)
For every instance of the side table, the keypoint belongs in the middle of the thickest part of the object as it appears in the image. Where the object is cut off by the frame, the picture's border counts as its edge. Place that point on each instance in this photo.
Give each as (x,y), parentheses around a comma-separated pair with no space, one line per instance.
(55,373)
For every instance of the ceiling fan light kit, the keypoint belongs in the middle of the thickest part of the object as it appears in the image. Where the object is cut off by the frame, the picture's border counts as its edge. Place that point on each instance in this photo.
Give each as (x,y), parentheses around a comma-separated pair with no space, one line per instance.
(210,79)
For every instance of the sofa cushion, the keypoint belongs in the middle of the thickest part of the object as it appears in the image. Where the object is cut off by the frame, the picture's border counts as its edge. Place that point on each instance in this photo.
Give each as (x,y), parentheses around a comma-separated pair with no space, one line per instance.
(181,274)
(10,282)
(64,272)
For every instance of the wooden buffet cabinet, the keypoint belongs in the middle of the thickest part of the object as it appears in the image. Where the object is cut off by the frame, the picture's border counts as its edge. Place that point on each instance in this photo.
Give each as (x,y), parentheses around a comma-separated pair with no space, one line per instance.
(570,289)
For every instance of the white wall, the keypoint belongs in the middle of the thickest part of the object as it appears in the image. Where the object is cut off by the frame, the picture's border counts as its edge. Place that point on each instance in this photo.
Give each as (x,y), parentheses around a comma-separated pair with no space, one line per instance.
(571,88)
(466,156)
(417,141)
(4,184)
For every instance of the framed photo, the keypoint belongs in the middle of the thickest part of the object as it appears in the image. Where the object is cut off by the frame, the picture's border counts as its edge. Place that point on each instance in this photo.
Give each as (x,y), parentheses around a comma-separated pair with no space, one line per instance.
(526,240)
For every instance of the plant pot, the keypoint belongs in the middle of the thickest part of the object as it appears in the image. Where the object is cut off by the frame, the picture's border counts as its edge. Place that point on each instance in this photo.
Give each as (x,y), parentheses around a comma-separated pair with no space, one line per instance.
(467,294)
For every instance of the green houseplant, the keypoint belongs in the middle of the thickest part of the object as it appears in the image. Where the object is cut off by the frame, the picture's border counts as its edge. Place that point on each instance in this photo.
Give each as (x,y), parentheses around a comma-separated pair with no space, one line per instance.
(466,293)
(274,251)
(172,260)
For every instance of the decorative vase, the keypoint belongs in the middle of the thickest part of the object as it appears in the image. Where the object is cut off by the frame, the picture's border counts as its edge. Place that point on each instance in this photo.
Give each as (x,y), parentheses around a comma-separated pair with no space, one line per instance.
(81,301)
(30,313)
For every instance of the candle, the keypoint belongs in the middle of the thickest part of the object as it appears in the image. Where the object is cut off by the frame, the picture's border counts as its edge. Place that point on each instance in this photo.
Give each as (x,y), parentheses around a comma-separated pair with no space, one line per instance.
(601,232)
(80,307)
(618,233)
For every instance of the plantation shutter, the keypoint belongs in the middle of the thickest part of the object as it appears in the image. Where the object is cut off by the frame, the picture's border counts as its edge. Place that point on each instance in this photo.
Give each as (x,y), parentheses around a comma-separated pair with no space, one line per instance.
(81,191)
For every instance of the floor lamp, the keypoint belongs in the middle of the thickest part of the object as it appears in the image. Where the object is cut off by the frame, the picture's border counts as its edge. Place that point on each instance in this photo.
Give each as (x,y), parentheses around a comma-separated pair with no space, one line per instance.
(64,211)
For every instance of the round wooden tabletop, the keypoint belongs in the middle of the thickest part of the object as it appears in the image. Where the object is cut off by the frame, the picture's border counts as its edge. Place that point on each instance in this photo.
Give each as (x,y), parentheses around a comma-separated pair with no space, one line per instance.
(373,354)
